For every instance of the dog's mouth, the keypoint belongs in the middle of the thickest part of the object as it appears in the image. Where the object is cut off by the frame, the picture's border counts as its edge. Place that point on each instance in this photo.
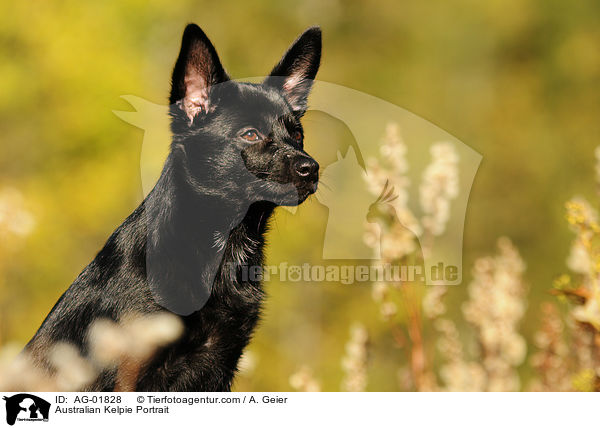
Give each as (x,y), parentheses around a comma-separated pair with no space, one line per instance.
(287,194)
(312,187)
(305,191)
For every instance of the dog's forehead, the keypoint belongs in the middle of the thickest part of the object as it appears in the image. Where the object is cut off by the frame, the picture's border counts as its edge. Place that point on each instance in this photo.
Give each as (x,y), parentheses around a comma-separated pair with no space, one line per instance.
(262,100)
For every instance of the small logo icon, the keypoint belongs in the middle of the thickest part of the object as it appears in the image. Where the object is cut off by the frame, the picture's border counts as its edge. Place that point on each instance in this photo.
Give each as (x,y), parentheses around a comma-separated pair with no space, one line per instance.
(26,407)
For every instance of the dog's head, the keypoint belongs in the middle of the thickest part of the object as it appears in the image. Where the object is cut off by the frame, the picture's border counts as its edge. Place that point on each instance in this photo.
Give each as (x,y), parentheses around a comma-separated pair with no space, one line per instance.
(243,139)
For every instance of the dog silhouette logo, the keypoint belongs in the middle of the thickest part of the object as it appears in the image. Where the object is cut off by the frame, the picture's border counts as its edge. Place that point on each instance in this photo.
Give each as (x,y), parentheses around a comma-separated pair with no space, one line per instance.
(26,407)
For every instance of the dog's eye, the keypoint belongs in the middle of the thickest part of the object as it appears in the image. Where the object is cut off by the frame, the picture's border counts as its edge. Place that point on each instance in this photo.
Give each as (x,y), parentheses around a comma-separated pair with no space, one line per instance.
(251,135)
(297,136)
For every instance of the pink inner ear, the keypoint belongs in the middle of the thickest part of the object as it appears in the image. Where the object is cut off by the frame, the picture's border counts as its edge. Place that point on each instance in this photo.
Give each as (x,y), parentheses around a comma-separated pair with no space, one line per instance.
(196,95)
(292,81)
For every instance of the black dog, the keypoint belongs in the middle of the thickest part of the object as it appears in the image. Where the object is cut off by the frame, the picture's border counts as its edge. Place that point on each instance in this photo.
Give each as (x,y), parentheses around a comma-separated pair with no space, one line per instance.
(237,153)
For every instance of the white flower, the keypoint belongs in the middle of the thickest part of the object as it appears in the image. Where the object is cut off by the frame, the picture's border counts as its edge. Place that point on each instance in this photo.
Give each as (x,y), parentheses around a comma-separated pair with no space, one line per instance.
(438,187)
(589,312)
(14,218)
(433,305)
(579,259)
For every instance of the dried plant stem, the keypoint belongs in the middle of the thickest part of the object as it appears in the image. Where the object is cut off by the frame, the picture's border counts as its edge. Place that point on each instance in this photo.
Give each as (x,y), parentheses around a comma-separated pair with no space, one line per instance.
(127,374)
(418,360)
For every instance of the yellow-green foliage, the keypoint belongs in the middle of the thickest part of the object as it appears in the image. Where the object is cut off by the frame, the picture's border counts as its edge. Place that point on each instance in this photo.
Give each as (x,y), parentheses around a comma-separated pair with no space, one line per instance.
(516,80)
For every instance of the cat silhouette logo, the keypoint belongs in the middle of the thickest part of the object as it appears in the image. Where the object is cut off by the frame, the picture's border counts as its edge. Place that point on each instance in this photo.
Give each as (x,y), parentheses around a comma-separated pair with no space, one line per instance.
(26,407)
(340,242)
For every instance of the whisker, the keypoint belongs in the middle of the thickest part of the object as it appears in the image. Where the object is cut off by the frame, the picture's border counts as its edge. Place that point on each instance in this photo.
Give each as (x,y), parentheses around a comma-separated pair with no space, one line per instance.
(326,185)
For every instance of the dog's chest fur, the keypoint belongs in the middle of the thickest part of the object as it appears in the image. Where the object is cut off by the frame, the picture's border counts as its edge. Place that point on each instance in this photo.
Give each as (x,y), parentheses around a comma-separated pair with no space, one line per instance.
(206,356)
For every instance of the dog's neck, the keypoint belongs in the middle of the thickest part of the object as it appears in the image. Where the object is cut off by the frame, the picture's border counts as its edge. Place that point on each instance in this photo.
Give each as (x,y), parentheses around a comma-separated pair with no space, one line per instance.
(193,232)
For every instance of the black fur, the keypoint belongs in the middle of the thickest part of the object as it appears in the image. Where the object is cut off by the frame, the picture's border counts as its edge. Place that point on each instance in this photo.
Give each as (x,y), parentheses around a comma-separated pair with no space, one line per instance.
(236,154)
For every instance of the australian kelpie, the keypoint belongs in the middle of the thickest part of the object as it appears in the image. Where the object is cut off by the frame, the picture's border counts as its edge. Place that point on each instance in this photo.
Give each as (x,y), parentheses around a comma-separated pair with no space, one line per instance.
(236,153)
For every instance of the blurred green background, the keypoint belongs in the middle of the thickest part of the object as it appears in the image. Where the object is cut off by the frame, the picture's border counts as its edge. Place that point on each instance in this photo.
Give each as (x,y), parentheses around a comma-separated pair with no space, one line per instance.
(516,80)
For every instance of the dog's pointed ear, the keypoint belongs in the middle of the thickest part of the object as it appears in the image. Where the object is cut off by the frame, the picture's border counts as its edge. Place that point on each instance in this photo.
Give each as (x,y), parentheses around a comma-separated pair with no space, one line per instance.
(295,73)
(197,69)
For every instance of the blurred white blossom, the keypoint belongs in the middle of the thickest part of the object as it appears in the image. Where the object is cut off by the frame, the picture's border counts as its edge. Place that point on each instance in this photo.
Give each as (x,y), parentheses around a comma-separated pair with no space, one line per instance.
(130,343)
(15,219)
(73,372)
(551,361)
(433,304)
(438,187)
(495,307)
(303,380)
(354,362)
(579,258)
(456,372)
(389,172)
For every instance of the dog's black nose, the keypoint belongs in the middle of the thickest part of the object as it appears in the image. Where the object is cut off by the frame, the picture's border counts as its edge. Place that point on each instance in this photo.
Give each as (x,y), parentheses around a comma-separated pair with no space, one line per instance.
(306,167)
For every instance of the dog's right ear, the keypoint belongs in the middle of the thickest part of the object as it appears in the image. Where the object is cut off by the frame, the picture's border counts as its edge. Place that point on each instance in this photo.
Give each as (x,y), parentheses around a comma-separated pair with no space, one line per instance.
(295,72)
(196,70)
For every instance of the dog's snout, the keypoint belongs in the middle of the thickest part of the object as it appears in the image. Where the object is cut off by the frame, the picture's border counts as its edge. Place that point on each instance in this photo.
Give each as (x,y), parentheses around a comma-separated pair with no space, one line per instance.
(306,167)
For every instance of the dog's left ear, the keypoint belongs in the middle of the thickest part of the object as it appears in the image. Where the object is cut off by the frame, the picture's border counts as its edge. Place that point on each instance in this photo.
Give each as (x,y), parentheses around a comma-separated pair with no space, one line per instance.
(197,69)
(295,73)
